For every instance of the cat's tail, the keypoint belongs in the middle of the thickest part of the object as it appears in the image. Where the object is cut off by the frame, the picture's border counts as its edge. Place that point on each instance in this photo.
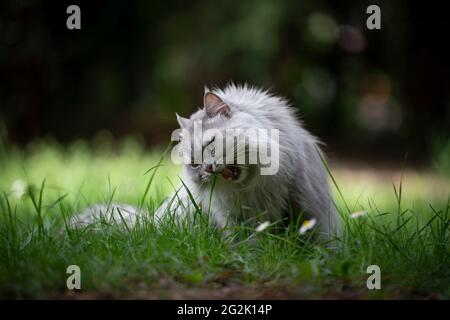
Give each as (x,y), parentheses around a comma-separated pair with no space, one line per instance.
(113,213)
(177,206)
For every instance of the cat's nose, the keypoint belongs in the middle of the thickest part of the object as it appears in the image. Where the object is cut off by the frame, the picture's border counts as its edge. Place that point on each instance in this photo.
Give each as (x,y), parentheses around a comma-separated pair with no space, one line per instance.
(209,168)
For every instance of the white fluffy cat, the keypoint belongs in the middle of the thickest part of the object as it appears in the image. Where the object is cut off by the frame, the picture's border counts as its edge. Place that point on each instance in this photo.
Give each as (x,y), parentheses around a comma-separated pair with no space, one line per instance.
(241,192)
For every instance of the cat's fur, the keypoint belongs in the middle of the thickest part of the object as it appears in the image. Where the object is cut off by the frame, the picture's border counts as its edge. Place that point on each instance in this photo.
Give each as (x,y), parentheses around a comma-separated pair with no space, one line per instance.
(300,185)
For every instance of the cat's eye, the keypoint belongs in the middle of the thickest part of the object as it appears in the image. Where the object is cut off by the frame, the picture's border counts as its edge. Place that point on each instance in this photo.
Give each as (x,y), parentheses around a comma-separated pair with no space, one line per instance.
(194,165)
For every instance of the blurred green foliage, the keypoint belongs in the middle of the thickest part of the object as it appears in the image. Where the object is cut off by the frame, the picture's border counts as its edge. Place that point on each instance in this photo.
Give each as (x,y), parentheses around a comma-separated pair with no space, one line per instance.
(441,156)
(134,64)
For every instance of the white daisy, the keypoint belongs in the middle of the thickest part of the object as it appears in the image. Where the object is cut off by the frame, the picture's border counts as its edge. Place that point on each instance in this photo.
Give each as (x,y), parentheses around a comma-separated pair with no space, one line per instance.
(307,225)
(263,226)
(358,214)
(18,188)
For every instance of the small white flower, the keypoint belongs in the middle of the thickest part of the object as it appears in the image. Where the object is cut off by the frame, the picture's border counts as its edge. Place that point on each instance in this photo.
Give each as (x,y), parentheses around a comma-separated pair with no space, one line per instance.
(18,188)
(307,225)
(263,226)
(358,214)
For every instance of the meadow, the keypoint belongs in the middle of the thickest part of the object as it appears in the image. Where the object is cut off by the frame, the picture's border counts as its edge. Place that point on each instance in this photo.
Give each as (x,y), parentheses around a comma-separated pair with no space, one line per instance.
(402,227)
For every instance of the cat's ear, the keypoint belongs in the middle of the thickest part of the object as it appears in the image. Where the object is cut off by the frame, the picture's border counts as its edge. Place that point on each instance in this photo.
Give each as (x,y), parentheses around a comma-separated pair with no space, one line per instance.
(206,90)
(183,122)
(214,105)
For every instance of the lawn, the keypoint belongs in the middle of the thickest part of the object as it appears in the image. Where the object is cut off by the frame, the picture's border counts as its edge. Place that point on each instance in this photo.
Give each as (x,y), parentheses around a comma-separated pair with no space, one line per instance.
(405,232)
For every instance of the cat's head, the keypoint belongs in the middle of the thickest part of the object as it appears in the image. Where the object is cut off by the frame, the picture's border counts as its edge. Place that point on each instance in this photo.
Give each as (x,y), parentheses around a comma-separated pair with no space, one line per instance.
(208,147)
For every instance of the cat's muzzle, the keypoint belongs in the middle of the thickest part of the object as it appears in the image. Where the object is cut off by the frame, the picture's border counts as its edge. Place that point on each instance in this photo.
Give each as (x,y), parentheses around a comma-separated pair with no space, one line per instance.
(231,172)
(228,172)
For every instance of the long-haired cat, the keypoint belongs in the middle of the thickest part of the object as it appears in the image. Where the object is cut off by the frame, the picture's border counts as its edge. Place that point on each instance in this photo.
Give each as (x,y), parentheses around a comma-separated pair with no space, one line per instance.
(241,192)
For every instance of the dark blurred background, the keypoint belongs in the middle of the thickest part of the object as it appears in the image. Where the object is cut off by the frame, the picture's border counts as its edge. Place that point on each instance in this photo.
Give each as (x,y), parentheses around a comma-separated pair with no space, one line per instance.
(373,93)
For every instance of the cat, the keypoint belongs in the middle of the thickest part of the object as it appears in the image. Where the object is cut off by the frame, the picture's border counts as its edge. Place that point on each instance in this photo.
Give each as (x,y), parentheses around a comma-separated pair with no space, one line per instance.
(239,192)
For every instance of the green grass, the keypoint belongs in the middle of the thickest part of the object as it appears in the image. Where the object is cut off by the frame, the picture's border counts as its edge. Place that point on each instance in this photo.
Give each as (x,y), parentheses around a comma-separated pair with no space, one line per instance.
(405,232)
